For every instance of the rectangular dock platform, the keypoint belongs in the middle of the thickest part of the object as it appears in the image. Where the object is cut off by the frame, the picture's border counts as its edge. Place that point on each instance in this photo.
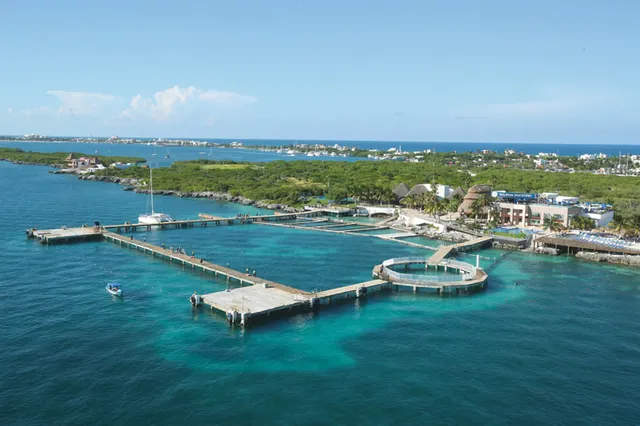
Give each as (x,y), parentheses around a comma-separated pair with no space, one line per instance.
(65,235)
(257,300)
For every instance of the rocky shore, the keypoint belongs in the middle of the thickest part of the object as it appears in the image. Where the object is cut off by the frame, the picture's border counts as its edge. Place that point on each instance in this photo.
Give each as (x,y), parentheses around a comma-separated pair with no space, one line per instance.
(134,185)
(546,250)
(28,163)
(618,259)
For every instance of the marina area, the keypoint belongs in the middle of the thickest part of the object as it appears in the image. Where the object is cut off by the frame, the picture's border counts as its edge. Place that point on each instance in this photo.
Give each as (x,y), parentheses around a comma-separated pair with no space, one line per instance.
(554,321)
(262,298)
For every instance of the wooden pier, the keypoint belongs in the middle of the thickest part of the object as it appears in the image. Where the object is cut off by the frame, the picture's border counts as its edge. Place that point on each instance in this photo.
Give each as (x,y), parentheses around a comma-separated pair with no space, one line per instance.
(572,246)
(256,299)
(444,251)
(194,263)
(65,235)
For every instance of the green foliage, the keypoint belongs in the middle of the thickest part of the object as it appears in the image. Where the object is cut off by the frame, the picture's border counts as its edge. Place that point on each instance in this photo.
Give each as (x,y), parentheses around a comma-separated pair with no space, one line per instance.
(58,158)
(551,223)
(519,235)
(582,223)
(372,182)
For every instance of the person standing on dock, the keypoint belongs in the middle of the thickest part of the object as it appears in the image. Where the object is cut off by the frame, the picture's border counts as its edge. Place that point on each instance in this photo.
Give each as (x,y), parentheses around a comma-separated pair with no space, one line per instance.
(247,271)
(163,246)
(254,272)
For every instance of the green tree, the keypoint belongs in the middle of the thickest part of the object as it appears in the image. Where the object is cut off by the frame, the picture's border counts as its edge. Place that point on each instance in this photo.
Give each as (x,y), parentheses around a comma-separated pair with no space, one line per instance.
(582,223)
(551,223)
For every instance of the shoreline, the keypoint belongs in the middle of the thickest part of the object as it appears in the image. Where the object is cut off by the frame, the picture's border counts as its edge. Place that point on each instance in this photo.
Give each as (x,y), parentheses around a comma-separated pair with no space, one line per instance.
(131,184)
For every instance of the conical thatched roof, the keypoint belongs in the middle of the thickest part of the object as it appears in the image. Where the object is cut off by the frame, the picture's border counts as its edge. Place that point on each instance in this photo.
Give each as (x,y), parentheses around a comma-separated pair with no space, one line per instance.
(480,189)
(457,191)
(400,191)
(70,157)
(420,189)
(475,193)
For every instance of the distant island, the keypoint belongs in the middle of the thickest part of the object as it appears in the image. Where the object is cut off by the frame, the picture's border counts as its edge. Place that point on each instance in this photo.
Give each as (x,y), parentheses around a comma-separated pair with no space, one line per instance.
(475,198)
(63,159)
(596,163)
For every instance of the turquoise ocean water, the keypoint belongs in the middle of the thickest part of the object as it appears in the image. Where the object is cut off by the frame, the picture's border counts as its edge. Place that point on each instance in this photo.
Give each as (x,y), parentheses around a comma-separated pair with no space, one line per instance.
(561,348)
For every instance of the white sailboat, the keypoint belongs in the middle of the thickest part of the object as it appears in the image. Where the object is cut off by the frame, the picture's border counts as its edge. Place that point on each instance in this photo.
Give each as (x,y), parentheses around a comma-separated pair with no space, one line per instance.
(154,218)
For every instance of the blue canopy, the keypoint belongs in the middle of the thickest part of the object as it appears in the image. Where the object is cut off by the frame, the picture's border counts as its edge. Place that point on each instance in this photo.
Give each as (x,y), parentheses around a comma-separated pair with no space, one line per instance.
(114,285)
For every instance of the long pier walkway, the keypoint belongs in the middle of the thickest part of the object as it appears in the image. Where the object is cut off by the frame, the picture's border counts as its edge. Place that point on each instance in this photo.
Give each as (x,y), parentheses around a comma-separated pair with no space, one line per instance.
(195,263)
(256,297)
(260,298)
(444,251)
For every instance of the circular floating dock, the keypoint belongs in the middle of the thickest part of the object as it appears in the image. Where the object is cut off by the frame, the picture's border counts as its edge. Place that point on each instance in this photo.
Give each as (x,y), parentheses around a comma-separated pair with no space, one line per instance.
(450,276)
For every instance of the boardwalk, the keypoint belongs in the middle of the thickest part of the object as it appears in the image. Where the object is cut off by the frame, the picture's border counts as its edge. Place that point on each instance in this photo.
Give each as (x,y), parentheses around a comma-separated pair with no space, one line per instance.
(195,263)
(257,297)
(65,235)
(208,219)
(444,251)
(254,300)
(570,244)
(341,291)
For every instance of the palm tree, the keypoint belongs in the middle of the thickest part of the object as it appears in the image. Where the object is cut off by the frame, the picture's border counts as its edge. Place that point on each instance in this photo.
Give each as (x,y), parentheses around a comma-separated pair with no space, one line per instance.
(551,223)
(475,209)
(632,225)
(494,216)
(485,204)
(582,223)
(618,222)
(456,200)
(410,201)
(447,206)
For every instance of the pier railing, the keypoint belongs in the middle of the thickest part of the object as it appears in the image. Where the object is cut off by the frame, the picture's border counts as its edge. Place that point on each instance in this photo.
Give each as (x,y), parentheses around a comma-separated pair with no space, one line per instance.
(467,271)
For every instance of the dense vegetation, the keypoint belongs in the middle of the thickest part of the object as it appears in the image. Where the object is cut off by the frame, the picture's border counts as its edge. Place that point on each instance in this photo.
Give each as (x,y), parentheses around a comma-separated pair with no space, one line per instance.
(58,158)
(287,181)
(294,182)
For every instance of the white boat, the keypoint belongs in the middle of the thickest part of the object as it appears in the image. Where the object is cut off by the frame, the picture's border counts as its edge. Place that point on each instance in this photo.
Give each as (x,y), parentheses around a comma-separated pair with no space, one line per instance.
(154,218)
(114,288)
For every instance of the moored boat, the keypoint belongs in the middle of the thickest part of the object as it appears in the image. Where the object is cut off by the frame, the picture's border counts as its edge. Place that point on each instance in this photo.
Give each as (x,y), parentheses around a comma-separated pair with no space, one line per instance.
(153,218)
(114,288)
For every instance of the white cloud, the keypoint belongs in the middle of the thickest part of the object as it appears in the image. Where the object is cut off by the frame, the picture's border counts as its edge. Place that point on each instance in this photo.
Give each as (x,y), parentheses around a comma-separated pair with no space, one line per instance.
(81,103)
(162,106)
(10,110)
(74,104)
(166,103)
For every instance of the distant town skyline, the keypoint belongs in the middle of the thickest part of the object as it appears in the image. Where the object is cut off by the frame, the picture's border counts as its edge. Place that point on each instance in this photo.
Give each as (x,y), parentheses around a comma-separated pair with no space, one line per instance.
(410,71)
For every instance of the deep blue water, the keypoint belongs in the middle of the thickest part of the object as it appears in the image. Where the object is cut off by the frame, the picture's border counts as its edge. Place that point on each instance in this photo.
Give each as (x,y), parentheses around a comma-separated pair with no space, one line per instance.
(190,153)
(561,348)
(528,148)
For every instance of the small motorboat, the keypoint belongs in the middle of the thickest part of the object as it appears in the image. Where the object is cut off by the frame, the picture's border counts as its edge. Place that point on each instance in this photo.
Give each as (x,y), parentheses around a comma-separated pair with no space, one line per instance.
(115,289)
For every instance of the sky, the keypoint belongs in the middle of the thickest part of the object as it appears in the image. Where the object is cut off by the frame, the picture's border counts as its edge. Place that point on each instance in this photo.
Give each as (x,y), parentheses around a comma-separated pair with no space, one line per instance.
(473,71)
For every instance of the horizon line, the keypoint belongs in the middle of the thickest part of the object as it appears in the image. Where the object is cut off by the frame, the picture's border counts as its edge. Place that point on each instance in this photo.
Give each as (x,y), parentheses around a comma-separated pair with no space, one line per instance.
(325,140)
